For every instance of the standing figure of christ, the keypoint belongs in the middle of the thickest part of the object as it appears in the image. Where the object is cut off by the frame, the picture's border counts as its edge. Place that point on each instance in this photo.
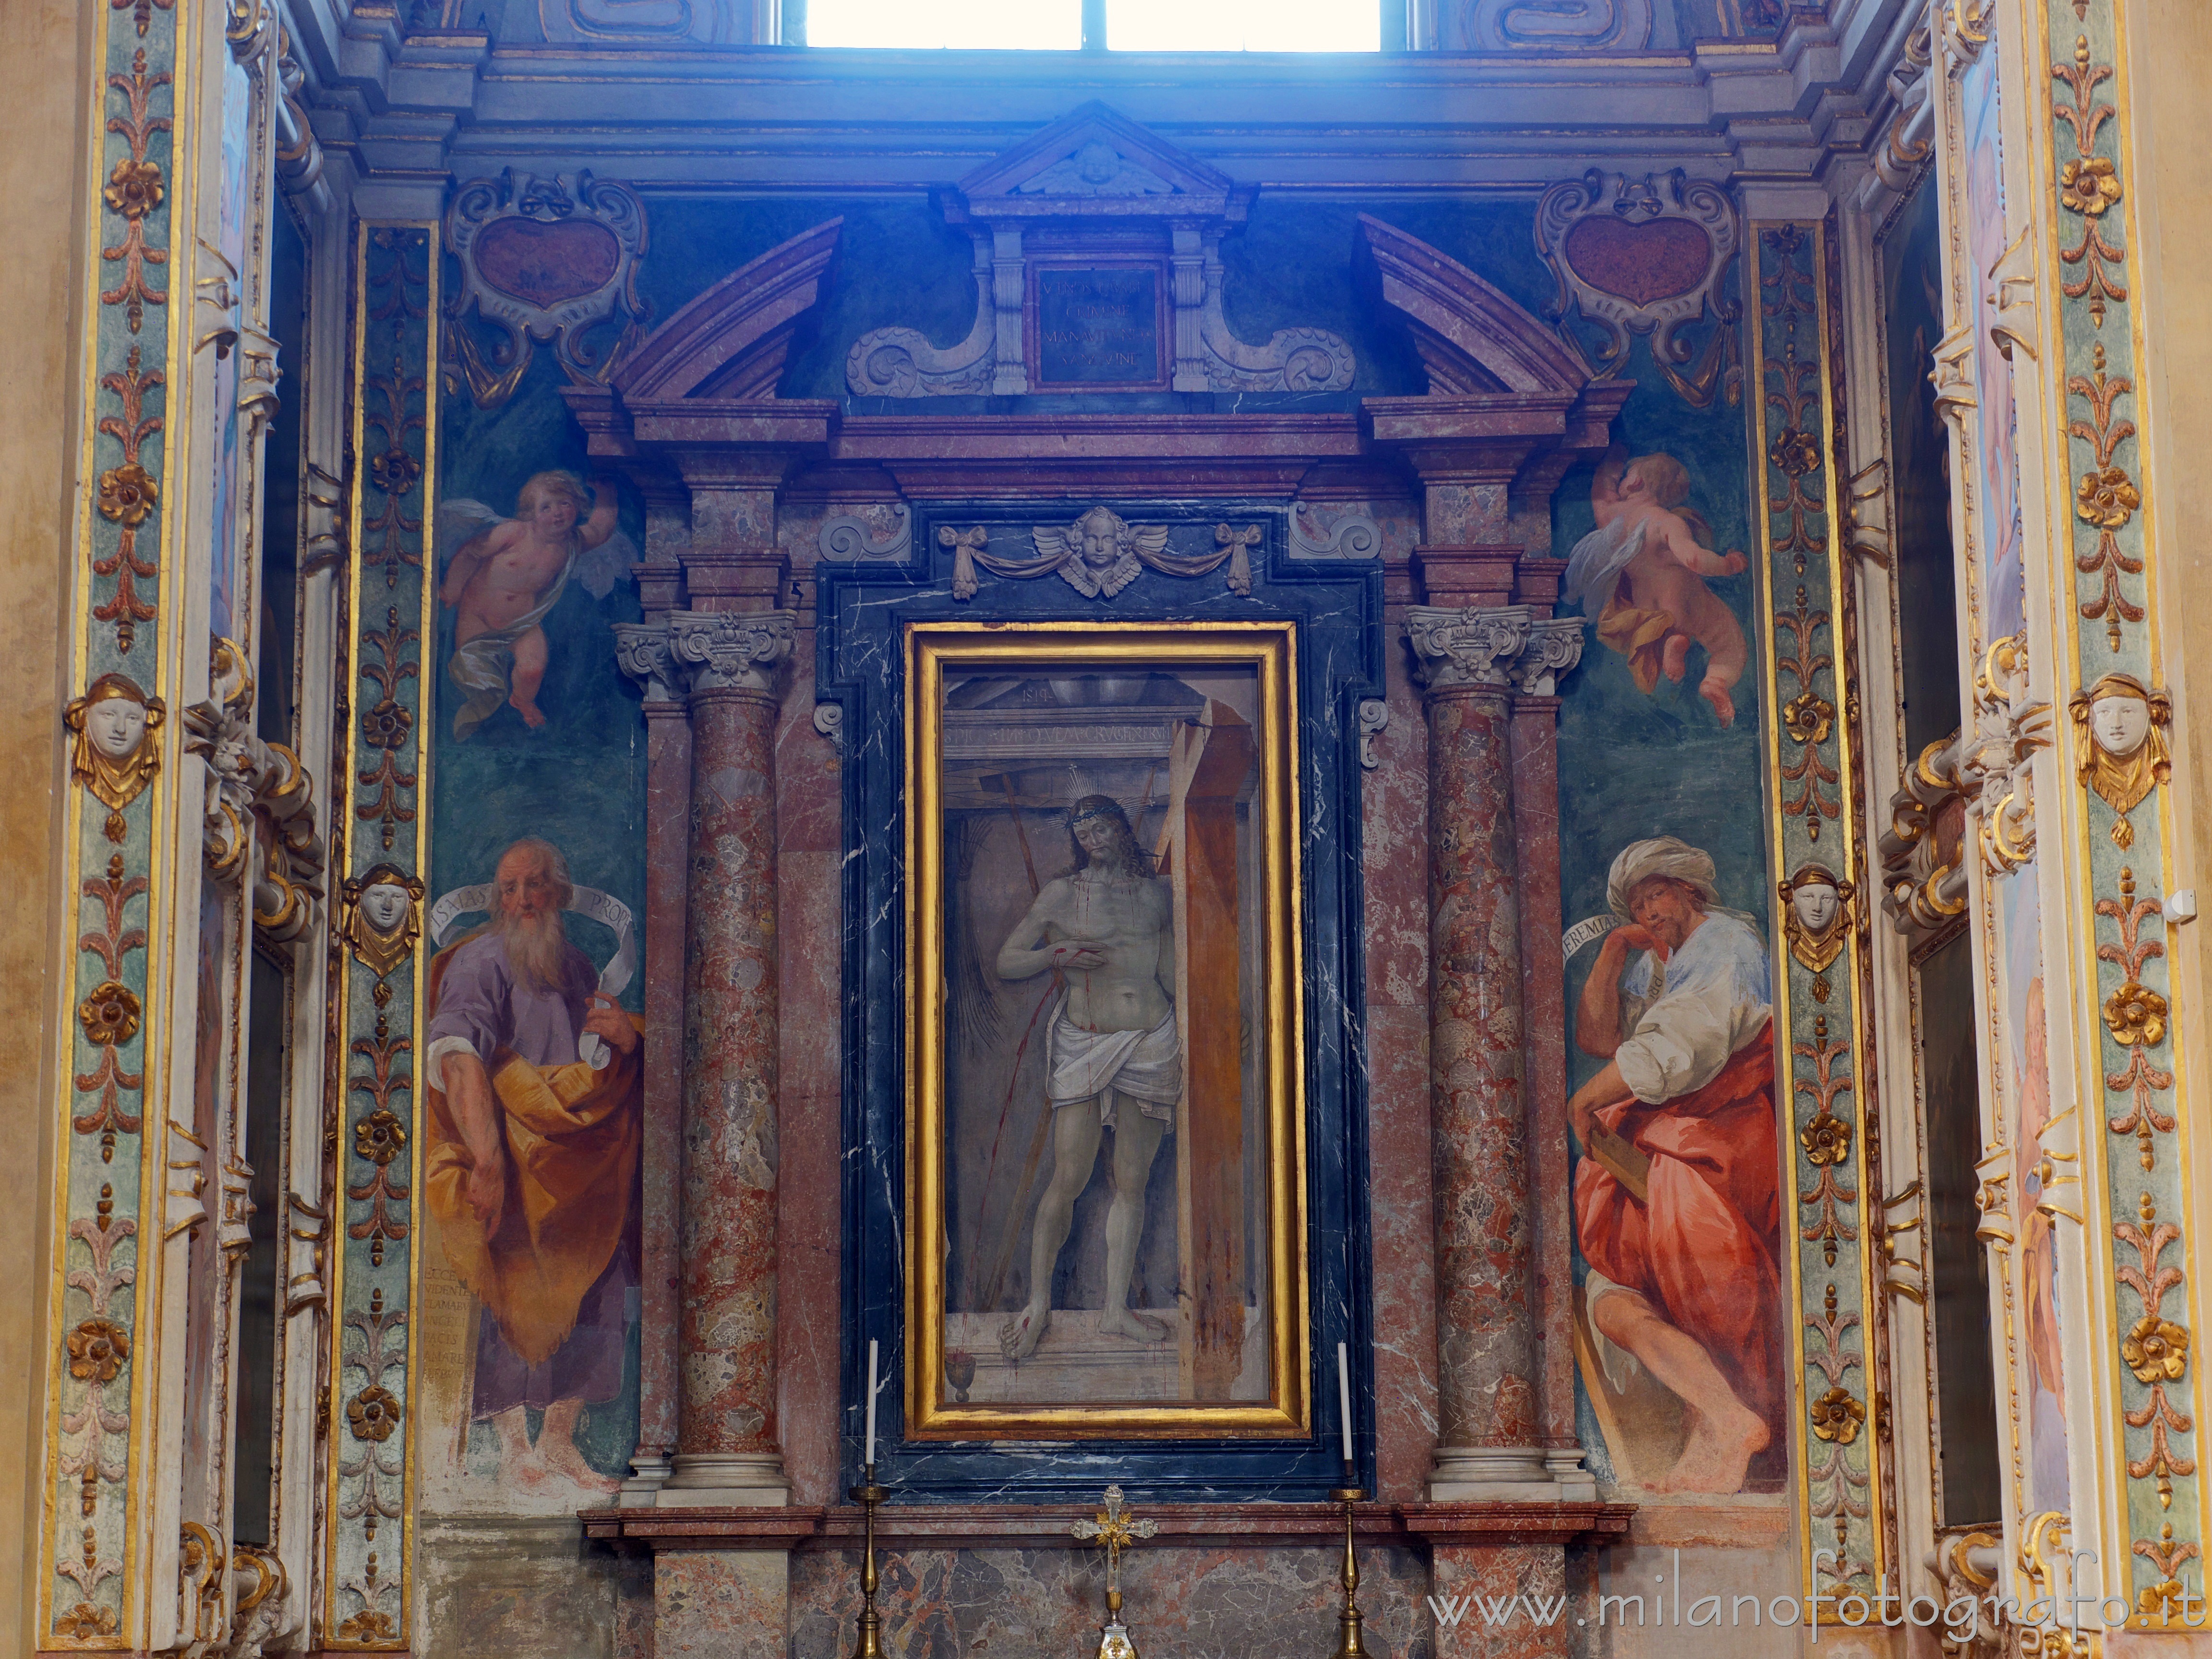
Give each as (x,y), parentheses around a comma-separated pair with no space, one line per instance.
(1113,1056)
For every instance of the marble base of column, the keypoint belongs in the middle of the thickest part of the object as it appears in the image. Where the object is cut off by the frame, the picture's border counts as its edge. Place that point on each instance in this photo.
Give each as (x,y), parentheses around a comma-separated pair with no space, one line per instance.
(725,1480)
(648,1475)
(1465,1474)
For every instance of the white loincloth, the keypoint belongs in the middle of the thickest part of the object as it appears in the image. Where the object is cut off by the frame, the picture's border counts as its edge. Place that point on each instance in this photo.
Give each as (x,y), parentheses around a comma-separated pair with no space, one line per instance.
(1146,1066)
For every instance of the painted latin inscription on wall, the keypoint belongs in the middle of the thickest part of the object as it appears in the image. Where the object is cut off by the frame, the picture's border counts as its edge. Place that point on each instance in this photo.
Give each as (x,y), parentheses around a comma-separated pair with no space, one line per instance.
(1098,327)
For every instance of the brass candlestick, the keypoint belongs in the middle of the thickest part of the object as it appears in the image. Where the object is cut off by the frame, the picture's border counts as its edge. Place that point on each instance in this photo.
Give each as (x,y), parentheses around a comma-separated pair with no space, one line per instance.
(868,1494)
(1348,1644)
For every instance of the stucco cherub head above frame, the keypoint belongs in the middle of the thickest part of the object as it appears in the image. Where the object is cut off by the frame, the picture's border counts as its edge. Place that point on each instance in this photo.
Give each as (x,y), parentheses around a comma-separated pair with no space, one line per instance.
(2119,736)
(1816,914)
(110,756)
(383,916)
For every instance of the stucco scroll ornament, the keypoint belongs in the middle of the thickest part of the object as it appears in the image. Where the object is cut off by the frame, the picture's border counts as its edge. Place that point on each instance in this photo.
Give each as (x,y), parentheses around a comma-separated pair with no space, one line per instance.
(543,262)
(851,536)
(2119,745)
(1354,536)
(1099,554)
(1557,25)
(1816,918)
(382,916)
(900,362)
(1924,851)
(1649,257)
(2009,727)
(112,754)
(259,813)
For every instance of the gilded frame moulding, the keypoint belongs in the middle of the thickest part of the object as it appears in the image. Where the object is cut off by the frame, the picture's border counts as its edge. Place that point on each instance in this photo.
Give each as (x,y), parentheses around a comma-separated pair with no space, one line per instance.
(1812,763)
(380,840)
(2127,1029)
(92,1583)
(933,1413)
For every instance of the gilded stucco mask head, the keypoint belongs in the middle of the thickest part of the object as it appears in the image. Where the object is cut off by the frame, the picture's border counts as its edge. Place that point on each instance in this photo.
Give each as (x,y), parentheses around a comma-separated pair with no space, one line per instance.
(110,756)
(382,917)
(1816,914)
(2120,735)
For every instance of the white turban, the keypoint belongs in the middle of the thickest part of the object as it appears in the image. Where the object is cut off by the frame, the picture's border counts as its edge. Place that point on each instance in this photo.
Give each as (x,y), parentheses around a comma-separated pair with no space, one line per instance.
(1662,855)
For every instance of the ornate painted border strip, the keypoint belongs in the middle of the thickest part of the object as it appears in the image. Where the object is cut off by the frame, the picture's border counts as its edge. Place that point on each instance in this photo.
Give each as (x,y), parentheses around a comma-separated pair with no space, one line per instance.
(2128,1026)
(91,1591)
(383,838)
(1818,981)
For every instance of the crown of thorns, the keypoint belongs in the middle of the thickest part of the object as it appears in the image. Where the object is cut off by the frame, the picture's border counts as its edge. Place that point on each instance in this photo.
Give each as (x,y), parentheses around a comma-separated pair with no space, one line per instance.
(1100,810)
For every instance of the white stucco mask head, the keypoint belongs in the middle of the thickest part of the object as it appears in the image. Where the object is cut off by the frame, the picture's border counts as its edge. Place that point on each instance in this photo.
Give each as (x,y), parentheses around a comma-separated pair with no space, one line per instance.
(1816,917)
(2121,720)
(110,756)
(116,725)
(2119,734)
(384,906)
(382,920)
(1816,903)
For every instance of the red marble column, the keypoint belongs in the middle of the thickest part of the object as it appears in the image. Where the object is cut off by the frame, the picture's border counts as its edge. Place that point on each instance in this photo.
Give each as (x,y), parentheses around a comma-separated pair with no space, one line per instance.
(726,1449)
(1488,1426)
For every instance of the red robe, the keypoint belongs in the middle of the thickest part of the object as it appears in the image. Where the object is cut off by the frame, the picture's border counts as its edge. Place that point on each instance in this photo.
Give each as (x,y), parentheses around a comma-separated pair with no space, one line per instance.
(1704,1251)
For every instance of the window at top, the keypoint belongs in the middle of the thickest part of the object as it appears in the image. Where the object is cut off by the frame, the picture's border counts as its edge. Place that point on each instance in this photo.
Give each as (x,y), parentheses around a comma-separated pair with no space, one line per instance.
(1131,25)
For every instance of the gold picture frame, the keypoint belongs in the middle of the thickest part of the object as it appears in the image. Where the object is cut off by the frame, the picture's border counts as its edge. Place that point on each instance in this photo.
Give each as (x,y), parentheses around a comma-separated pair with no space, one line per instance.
(1225,861)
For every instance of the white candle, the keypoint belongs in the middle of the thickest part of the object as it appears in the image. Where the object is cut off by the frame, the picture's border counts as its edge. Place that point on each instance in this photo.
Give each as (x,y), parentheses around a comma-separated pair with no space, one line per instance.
(1344,1400)
(870,1458)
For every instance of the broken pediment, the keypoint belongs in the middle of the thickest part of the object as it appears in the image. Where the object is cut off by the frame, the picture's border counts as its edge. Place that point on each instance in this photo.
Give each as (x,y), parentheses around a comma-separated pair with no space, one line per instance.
(1097,269)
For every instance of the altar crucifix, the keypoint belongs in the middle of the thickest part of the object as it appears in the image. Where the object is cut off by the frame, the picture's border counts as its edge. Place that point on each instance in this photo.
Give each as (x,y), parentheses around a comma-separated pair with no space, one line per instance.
(1114,1528)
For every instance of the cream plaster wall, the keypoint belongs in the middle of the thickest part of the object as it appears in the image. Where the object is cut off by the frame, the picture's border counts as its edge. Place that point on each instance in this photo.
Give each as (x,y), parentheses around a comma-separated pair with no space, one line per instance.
(44,77)
(2171,61)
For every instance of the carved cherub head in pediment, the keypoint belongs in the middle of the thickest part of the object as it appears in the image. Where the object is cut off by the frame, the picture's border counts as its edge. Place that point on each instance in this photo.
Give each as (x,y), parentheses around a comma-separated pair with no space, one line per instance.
(1095,169)
(1816,914)
(110,756)
(1098,553)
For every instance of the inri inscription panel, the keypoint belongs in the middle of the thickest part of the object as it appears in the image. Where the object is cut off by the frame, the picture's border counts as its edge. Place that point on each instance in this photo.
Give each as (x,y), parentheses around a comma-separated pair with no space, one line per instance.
(1099,326)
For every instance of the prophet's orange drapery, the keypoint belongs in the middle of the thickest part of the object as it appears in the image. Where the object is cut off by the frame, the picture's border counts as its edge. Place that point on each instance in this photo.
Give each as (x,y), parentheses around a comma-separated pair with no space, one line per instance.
(1702,1251)
(571,1137)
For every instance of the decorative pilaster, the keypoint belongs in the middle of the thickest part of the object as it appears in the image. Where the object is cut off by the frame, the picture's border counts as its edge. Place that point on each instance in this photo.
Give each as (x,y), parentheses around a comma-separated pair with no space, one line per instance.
(641,649)
(1488,1430)
(382,835)
(1814,831)
(110,1021)
(726,1448)
(2116,834)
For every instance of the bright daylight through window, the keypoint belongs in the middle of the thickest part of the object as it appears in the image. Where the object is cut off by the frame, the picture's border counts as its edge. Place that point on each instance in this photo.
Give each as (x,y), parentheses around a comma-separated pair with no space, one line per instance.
(1131,25)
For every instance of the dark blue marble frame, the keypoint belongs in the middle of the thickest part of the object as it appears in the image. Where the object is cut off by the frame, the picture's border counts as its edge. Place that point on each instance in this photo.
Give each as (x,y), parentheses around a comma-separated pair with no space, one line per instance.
(859,665)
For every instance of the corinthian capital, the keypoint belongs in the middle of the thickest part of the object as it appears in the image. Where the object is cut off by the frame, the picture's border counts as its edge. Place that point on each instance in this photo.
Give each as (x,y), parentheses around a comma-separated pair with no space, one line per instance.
(1455,649)
(730,649)
(1555,646)
(641,651)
